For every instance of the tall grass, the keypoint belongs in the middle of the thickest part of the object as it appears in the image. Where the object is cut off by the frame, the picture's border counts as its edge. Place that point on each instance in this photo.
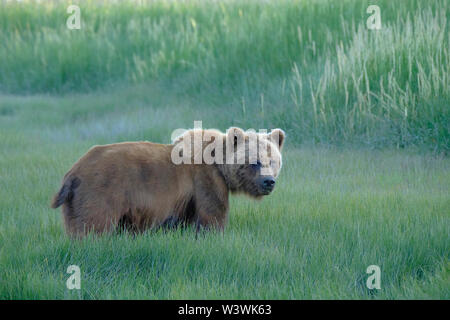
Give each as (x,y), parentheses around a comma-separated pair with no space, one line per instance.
(311,67)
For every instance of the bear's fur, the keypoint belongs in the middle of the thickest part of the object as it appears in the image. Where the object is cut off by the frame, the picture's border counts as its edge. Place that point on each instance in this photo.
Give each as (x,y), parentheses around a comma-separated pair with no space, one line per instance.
(137,185)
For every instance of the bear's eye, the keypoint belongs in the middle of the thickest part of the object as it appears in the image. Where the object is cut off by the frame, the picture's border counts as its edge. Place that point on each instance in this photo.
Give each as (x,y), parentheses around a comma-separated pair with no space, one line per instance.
(256,165)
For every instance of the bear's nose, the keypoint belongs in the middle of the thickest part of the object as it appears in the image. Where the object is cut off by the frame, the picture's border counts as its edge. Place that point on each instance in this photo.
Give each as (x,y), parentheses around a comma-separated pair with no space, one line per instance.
(269,182)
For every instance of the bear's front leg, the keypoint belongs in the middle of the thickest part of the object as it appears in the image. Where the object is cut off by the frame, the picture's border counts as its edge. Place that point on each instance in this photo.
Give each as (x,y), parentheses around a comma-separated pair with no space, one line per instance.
(211,206)
(205,221)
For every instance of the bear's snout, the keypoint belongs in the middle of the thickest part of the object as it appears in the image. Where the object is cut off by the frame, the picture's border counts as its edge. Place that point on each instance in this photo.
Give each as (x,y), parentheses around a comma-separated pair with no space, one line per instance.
(268,184)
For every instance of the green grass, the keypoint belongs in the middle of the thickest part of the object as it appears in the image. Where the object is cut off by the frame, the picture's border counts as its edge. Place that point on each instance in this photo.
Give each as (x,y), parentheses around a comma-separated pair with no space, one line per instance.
(309,66)
(334,212)
(366,174)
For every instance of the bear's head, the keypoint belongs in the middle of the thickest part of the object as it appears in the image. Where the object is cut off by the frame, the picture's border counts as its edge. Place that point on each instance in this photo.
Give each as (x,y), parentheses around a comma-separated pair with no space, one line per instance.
(252,161)
(248,161)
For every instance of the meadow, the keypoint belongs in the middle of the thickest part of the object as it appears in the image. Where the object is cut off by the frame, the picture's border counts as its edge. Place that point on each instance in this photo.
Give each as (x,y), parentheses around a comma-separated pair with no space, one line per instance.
(366,174)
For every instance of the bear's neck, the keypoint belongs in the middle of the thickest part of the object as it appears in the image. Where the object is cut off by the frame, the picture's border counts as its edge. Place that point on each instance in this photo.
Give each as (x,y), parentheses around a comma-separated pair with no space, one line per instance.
(227,174)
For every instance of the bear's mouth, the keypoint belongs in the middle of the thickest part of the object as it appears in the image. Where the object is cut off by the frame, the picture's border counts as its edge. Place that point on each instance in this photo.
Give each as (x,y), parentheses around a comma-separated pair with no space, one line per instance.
(265,190)
(257,190)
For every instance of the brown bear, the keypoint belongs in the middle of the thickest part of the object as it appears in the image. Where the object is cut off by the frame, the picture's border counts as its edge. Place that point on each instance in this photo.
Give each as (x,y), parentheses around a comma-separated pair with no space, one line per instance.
(140,185)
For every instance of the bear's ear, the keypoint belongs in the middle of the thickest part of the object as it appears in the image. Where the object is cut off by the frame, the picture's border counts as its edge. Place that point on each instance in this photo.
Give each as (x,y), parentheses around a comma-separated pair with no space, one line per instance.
(277,136)
(235,136)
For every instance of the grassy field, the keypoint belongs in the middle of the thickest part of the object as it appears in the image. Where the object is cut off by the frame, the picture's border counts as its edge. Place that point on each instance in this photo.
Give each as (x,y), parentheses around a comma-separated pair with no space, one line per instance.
(311,66)
(335,212)
(366,173)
